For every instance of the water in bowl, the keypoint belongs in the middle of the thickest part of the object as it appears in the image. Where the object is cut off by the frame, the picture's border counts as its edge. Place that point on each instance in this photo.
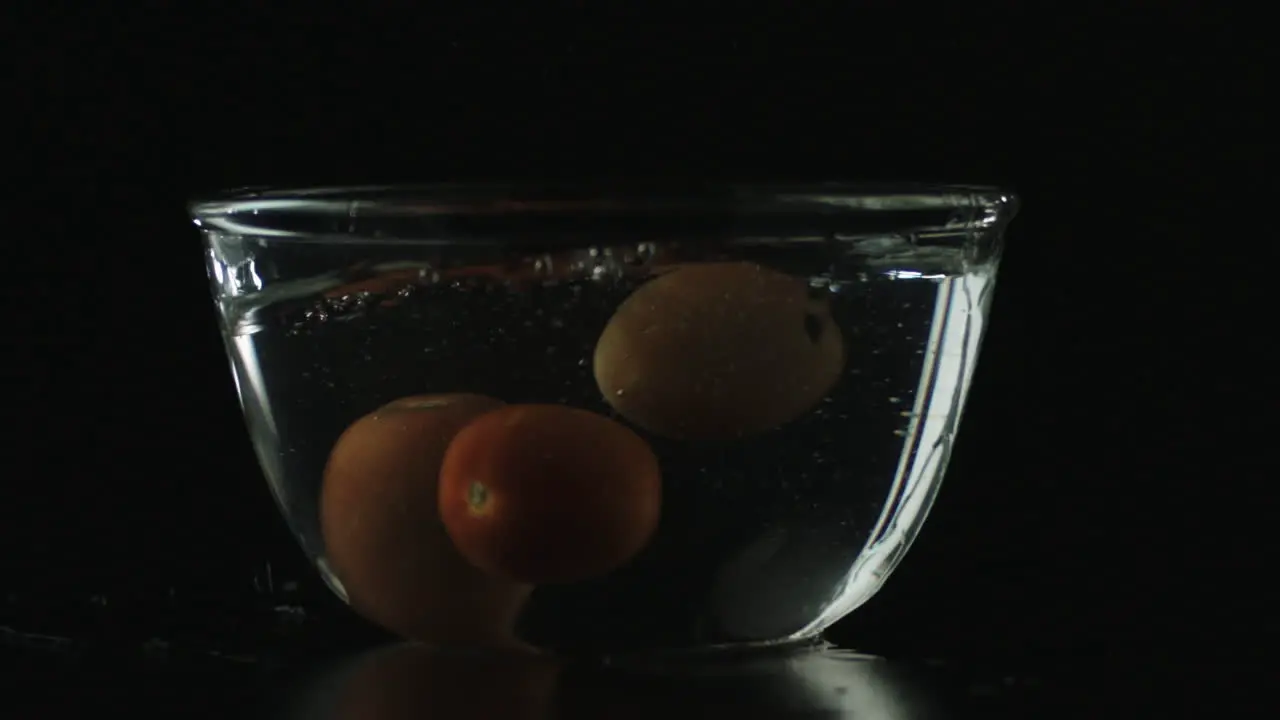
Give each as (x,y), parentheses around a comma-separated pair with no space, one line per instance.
(765,537)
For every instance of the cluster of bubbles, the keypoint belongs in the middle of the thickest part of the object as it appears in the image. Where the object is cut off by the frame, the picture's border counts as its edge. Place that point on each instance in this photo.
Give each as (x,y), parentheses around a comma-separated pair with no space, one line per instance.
(392,284)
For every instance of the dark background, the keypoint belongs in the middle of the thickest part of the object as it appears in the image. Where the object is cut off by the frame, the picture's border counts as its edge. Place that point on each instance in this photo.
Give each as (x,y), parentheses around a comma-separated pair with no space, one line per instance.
(1103,504)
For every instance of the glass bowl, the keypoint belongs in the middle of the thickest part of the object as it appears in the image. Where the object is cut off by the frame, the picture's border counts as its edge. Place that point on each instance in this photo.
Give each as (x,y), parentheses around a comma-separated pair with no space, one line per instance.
(604,419)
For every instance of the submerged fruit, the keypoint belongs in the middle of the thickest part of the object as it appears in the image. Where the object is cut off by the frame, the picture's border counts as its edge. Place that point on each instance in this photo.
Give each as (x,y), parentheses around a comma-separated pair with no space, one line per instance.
(718,350)
(545,493)
(383,536)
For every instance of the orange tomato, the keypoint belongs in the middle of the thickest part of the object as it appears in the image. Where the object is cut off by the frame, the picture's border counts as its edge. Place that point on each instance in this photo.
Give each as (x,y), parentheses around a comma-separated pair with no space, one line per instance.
(545,493)
(717,351)
(383,536)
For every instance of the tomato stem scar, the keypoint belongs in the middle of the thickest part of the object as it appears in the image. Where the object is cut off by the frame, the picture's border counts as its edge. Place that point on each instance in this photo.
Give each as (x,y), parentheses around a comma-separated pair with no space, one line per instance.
(478,498)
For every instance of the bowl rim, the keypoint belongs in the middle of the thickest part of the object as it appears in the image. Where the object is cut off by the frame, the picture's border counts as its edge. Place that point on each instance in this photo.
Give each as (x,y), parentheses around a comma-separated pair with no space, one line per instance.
(266,210)
(321,198)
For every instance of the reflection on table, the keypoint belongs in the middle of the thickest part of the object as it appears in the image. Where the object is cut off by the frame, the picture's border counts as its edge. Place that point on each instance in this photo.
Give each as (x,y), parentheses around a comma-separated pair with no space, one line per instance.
(409,681)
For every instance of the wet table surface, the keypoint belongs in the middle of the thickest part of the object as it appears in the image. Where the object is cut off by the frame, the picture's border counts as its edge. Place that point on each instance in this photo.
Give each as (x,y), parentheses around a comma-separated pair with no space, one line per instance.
(301,677)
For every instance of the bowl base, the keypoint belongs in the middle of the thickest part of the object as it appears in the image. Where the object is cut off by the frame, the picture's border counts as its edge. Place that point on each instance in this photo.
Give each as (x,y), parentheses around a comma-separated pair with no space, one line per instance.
(710,657)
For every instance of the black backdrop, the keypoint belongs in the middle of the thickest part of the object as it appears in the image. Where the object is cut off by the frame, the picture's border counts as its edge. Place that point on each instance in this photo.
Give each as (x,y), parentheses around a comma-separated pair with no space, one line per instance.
(1084,514)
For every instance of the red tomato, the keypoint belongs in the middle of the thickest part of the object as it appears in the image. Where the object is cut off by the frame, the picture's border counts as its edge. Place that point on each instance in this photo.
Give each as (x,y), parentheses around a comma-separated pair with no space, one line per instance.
(545,493)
